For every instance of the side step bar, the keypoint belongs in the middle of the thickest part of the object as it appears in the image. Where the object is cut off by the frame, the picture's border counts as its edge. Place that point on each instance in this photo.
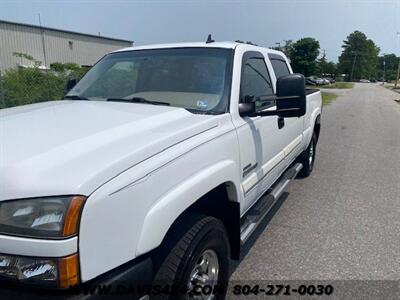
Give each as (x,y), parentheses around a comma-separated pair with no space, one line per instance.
(257,213)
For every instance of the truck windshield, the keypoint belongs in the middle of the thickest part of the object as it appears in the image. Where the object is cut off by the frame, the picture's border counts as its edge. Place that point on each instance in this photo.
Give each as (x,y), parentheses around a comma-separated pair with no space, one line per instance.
(197,79)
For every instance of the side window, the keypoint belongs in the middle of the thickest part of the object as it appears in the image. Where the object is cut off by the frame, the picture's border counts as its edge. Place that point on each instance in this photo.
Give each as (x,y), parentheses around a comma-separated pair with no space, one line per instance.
(280,67)
(256,81)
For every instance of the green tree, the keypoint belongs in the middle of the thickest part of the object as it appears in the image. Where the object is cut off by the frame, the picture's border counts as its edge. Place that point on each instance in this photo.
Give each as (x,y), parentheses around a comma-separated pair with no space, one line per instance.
(69,69)
(286,48)
(331,68)
(387,66)
(322,63)
(303,56)
(326,67)
(359,57)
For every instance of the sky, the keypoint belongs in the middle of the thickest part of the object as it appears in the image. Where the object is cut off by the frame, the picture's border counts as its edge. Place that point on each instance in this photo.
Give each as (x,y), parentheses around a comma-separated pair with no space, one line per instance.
(262,22)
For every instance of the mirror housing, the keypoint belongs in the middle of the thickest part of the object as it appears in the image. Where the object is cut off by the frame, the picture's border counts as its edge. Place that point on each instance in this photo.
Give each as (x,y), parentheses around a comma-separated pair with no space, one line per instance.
(291,96)
(247,109)
(290,99)
(70,84)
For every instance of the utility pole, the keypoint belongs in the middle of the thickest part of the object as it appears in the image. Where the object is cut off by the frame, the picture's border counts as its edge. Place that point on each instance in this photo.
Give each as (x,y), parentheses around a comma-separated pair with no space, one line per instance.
(352,68)
(323,59)
(384,68)
(43,43)
(398,67)
(398,75)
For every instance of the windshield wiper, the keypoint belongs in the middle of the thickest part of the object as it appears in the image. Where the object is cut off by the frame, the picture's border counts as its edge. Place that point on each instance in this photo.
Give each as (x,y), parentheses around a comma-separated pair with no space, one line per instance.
(202,112)
(75,97)
(138,100)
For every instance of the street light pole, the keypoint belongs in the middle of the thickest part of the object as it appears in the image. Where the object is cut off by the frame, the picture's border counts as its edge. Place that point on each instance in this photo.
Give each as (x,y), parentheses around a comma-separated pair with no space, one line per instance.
(398,67)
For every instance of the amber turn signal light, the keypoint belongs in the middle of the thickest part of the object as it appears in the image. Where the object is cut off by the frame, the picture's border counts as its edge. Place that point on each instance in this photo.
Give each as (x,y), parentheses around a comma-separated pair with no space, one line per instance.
(68,271)
(72,217)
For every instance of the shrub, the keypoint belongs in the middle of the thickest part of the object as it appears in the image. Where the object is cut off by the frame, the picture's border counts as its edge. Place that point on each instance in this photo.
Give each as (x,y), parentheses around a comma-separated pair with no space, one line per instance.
(25,86)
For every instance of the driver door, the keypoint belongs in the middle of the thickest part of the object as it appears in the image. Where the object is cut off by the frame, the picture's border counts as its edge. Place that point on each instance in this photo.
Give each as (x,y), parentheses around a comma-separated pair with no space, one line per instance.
(260,141)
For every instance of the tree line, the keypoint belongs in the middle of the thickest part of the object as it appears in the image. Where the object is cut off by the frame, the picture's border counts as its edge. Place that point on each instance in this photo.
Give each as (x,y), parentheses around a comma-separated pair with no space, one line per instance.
(19,86)
(359,59)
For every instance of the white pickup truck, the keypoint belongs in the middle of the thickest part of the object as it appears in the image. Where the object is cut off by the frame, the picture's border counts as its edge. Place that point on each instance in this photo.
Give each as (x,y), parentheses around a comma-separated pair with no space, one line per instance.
(156,167)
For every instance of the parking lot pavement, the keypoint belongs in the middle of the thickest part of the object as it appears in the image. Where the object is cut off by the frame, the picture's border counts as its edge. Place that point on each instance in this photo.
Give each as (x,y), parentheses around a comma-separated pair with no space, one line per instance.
(339,92)
(343,222)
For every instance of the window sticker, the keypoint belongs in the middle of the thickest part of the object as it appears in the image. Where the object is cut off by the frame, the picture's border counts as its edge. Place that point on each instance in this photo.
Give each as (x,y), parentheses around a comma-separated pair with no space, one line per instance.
(202,104)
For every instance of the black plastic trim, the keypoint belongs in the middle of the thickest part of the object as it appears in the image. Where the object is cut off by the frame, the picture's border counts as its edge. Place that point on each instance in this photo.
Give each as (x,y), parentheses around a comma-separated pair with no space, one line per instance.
(311,91)
(276,56)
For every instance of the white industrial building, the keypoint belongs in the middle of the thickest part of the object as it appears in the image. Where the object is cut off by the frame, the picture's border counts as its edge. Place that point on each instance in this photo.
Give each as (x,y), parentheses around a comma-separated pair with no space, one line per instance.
(50,45)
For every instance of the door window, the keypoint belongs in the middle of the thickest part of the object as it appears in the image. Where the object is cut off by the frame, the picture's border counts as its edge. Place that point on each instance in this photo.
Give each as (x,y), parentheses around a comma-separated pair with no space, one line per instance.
(280,67)
(256,82)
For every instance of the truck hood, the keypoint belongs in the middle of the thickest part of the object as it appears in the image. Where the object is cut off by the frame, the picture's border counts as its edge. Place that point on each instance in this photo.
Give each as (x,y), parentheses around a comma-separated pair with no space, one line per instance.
(73,147)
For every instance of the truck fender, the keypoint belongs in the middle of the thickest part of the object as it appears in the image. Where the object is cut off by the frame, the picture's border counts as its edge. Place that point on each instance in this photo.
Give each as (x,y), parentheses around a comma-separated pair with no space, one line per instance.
(167,209)
(314,119)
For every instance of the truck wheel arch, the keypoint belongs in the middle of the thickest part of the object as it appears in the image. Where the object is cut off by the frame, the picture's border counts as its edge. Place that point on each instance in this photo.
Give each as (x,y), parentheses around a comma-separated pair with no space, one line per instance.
(191,195)
(317,126)
(313,126)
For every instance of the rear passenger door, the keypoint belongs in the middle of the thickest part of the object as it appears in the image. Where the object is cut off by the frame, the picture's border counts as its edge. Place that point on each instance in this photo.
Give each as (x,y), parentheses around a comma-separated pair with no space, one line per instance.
(292,130)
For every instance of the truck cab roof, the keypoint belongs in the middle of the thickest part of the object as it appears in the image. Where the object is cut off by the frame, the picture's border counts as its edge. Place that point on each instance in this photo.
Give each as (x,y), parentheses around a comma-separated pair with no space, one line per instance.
(225,45)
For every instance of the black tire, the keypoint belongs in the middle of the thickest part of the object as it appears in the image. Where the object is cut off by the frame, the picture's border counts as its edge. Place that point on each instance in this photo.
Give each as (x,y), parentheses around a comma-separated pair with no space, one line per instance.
(307,157)
(187,244)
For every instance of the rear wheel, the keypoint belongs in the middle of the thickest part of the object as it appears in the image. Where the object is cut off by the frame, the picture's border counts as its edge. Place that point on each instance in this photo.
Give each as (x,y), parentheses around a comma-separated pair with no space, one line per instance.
(197,262)
(307,157)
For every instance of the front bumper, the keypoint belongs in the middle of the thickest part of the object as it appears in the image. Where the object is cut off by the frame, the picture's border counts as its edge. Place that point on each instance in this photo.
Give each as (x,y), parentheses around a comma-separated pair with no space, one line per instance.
(125,282)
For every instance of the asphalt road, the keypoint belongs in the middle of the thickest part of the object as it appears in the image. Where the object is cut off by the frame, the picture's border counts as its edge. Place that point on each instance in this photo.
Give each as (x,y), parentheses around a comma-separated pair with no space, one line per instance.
(343,222)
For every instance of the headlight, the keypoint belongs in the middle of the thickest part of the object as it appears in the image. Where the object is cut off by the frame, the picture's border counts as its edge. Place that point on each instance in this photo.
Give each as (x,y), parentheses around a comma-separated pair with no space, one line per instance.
(53,217)
(51,272)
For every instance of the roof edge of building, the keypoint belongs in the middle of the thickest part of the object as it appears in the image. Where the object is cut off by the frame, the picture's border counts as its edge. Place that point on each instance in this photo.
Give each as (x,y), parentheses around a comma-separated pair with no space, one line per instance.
(66,31)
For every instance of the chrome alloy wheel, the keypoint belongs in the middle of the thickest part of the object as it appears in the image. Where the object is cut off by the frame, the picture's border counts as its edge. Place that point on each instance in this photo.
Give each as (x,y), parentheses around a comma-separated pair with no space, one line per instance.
(311,154)
(204,276)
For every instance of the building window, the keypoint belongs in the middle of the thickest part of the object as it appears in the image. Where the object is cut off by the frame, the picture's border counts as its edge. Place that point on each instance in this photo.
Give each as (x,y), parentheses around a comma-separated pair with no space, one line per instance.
(70,44)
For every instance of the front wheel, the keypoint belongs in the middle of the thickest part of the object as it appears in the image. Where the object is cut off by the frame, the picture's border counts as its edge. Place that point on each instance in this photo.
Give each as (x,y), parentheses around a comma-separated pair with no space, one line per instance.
(307,157)
(197,265)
